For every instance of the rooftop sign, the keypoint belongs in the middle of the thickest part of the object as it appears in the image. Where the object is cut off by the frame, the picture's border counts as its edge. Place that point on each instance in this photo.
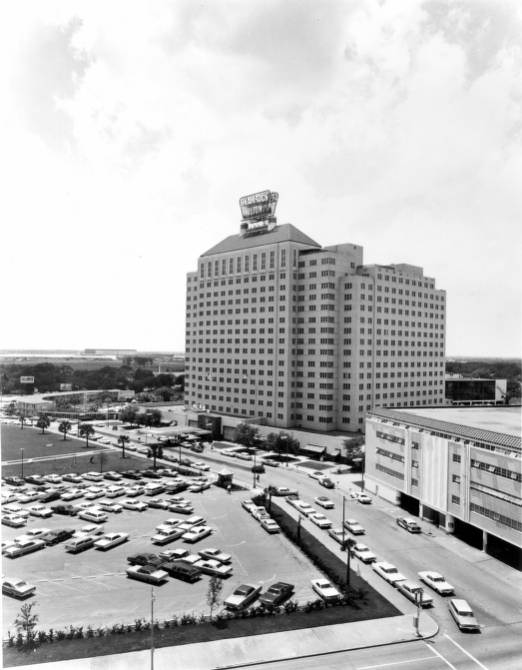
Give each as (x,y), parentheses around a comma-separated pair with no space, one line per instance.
(259,207)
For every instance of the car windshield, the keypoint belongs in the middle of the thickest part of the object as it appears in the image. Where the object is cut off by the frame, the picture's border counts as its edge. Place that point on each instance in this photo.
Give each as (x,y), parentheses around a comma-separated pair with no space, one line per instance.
(243,590)
(437,578)
(390,570)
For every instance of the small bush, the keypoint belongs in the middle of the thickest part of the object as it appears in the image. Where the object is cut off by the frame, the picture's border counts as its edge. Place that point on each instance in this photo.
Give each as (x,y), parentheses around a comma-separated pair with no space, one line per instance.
(60,634)
(89,632)
(138,624)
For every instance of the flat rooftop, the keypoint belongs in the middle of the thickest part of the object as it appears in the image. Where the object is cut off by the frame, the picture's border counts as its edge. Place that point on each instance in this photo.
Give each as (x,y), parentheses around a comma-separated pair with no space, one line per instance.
(507,420)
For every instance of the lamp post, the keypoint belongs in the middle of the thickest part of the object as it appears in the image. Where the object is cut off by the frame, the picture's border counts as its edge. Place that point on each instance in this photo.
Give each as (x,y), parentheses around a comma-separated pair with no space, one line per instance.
(151,628)
(22,452)
(418,603)
(254,472)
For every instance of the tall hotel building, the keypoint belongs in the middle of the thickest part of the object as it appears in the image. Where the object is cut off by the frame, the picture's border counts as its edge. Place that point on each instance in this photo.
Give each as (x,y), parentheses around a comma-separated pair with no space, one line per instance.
(283,330)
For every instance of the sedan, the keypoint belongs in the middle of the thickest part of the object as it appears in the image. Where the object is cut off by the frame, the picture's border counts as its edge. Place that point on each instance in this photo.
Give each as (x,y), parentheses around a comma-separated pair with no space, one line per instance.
(159,503)
(320,520)
(34,479)
(196,534)
(173,554)
(325,590)
(72,494)
(276,594)
(216,555)
(133,491)
(29,496)
(338,534)
(164,536)
(75,479)
(354,527)
(270,526)
(200,465)
(181,508)
(110,540)
(93,476)
(56,536)
(12,508)
(363,553)
(41,511)
(388,572)
(112,476)
(13,520)
(317,474)
(305,508)
(147,573)
(213,568)
(364,499)
(136,505)
(115,491)
(17,588)
(325,502)
(437,582)
(67,510)
(408,524)
(90,529)
(248,505)
(412,591)
(242,596)
(146,559)
(109,506)
(24,547)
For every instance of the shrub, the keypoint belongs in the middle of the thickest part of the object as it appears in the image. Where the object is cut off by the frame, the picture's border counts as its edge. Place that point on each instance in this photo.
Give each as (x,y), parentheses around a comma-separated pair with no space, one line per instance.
(89,632)
(10,641)
(138,624)
(19,641)
(42,636)
(60,635)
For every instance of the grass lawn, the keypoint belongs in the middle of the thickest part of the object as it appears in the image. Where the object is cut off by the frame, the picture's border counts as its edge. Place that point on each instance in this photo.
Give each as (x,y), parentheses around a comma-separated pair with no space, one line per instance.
(316,465)
(35,444)
(135,641)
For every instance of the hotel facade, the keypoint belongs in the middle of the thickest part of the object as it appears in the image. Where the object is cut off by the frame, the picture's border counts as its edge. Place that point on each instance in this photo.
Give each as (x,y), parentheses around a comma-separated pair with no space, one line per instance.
(286,332)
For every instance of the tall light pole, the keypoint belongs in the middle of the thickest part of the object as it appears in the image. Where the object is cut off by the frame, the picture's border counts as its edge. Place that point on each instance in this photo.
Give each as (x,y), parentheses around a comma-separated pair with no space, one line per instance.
(22,452)
(151,628)
(254,472)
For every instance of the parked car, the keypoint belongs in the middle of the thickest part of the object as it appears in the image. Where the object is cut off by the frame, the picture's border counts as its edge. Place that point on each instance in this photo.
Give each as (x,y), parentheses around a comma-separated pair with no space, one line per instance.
(72,494)
(153,489)
(305,508)
(354,527)
(388,572)
(196,534)
(93,476)
(94,494)
(34,479)
(200,465)
(110,540)
(13,508)
(158,503)
(316,474)
(270,526)
(24,547)
(181,508)
(66,510)
(363,553)
(164,536)
(93,514)
(411,589)
(327,483)
(14,481)
(337,534)
(213,568)
(320,520)
(325,590)
(49,496)
(180,569)
(28,496)
(133,491)
(57,535)
(146,559)
(151,474)
(276,594)
(216,555)
(113,476)
(114,491)
(324,502)
(463,614)
(173,554)
(437,582)
(132,474)
(17,588)
(199,487)
(195,521)
(282,490)
(248,505)
(242,596)
(41,511)
(90,529)
(109,506)
(72,477)
(13,520)
(364,499)
(147,573)
(409,524)
(136,505)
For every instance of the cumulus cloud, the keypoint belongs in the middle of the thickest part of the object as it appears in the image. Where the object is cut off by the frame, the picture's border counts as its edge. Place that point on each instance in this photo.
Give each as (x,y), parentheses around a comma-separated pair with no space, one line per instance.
(134,127)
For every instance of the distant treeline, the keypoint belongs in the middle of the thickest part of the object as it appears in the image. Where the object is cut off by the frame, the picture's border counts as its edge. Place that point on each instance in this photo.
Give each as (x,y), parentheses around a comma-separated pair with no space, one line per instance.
(48,377)
(490,369)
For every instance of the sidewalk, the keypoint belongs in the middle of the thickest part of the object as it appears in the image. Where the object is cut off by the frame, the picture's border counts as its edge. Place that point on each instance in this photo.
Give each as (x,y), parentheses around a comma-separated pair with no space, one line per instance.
(244,651)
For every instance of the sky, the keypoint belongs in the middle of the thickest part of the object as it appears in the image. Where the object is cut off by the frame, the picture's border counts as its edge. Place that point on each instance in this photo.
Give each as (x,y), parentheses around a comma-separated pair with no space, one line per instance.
(130,129)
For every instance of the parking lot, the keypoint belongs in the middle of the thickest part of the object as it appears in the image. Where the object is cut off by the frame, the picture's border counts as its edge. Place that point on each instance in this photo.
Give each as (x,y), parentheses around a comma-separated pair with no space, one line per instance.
(92,587)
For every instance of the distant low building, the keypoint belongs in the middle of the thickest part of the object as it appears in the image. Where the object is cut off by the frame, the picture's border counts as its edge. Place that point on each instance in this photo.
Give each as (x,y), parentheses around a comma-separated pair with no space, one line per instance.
(475,390)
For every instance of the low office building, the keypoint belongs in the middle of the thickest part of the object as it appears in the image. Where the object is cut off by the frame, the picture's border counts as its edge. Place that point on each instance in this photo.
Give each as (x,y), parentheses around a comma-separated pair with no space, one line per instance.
(459,468)
(475,391)
(281,329)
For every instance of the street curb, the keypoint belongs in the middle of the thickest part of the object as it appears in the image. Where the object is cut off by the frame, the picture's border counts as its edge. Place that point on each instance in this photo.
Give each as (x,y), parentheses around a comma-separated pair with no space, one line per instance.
(248,664)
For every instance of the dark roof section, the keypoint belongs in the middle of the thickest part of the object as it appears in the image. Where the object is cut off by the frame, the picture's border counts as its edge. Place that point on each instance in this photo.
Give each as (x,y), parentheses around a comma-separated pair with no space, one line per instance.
(457,429)
(284,233)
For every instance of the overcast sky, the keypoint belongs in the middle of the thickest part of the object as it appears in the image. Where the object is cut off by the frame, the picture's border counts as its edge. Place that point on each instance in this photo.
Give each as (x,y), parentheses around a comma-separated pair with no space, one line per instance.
(130,129)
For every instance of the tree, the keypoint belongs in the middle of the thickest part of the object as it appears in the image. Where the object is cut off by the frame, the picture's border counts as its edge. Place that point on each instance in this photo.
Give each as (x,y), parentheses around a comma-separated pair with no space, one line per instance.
(26,621)
(65,427)
(43,422)
(246,434)
(103,459)
(86,430)
(22,418)
(215,585)
(155,451)
(122,441)
(282,443)
(353,448)
(128,414)
(165,393)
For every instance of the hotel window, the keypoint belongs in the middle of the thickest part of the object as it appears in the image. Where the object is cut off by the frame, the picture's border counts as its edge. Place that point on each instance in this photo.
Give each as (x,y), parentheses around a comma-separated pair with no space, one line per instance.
(283,258)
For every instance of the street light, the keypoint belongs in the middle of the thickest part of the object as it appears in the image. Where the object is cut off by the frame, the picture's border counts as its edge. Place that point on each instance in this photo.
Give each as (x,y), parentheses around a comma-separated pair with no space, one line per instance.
(22,451)
(151,628)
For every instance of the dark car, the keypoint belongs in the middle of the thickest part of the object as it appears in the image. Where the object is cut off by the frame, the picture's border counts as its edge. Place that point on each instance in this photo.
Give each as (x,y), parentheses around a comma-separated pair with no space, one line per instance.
(176,487)
(49,497)
(72,477)
(14,481)
(327,483)
(131,474)
(145,559)
(276,594)
(56,536)
(182,570)
(34,479)
(66,510)
(151,474)
(259,469)
(112,476)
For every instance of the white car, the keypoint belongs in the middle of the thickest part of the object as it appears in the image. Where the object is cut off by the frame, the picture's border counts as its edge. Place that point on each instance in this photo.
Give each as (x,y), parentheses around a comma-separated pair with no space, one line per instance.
(363,553)
(317,474)
(338,534)
(196,533)
(195,521)
(6,544)
(325,502)
(200,465)
(411,589)
(136,505)
(28,496)
(320,520)
(94,495)
(325,590)
(24,547)
(109,506)
(215,555)
(164,536)
(72,494)
(294,502)
(13,520)
(93,476)
(35,532)
(15,509)
(174,554)
(437,582)
(242,596)
(305,508)
(41,511)
(169,524)
(259,512)
(388,572)
(147,573)
(114,491)
(17,588)
(90,529)
(270,526)
(214,568)
(354,527)
(364,499)
(111,540)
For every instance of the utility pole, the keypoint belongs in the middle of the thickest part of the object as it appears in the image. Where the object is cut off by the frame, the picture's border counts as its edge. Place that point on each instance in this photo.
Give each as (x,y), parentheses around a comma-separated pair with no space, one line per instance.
(418,602)
(254,472)
(22,452)
(151,628)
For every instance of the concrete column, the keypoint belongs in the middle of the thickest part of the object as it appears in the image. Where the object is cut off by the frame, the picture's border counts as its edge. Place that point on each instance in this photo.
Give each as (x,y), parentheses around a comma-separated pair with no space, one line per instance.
(450,524)
(421,511)
(484,541)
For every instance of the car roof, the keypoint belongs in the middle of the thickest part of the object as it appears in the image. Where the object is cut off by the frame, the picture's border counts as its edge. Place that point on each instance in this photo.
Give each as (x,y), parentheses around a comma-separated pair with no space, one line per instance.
(461,604)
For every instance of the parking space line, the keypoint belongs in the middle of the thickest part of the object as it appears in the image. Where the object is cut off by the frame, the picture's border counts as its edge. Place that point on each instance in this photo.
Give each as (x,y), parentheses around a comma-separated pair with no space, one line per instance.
(465,652)
(387,665)
(437,653)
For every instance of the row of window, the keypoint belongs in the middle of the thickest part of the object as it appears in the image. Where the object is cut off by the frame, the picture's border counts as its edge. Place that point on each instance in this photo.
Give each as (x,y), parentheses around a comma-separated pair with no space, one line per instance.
(389,437)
